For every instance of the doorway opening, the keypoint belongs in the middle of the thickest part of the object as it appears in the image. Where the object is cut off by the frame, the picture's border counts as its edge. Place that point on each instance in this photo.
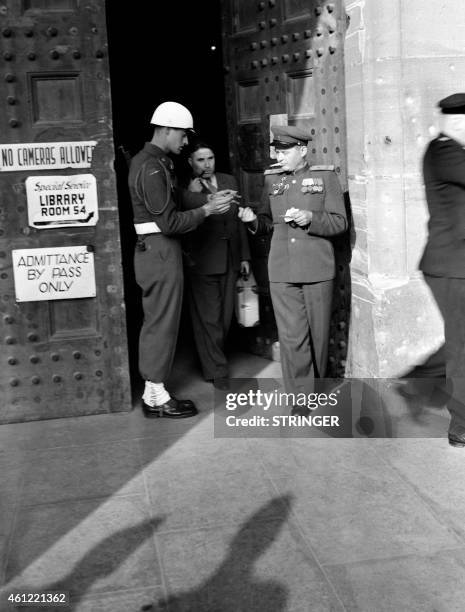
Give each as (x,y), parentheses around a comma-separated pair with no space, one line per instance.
(161,51)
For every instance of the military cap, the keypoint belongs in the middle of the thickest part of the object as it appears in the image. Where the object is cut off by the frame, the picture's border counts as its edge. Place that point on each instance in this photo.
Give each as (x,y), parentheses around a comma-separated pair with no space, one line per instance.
(287,136)
(453,105)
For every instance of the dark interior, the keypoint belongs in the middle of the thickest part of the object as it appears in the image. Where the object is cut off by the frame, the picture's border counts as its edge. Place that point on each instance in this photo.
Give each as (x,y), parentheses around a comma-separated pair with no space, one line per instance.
(161,51)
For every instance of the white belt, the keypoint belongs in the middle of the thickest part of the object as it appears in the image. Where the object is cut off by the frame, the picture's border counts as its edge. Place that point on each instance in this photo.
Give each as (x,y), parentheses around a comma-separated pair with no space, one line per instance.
(147,228)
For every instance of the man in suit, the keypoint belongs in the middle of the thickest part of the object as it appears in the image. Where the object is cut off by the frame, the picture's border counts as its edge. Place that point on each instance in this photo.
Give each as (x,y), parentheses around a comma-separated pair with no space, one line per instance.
(215,253)
(157,259)
(303,206)
(443,260)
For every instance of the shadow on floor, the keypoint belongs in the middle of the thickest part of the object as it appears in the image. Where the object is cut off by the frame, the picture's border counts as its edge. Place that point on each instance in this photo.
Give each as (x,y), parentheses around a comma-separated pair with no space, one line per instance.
(92,470)
(233,587)
(99,563)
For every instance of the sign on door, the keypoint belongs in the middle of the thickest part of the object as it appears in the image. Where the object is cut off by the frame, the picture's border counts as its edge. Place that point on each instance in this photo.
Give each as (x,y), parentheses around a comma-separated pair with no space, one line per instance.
(55,273)
(62,201)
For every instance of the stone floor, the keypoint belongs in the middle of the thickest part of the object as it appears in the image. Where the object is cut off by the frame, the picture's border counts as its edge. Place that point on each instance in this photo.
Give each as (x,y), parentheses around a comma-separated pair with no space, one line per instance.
(129,514)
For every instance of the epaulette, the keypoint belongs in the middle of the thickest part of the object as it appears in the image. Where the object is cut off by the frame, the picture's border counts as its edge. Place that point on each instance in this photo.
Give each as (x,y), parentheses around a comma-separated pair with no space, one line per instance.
(166,162)
(320,167)
(273,171)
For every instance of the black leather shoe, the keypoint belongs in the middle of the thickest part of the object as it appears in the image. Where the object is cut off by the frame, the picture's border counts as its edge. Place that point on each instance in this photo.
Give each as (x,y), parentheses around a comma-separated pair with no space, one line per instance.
(300,411)
(457,442)
(456,435)
(172,409)
(185,403)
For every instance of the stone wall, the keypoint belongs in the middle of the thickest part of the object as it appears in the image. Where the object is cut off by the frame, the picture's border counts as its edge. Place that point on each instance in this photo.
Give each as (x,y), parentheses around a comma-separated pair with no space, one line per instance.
(401,57)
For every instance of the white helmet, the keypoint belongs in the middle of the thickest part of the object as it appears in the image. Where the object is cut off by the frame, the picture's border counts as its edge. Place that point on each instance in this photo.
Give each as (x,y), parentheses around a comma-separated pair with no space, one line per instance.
(172,114)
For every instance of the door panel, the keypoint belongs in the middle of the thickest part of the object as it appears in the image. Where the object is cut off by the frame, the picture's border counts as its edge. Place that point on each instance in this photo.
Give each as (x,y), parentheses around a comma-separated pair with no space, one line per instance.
(61,357)
(283,62)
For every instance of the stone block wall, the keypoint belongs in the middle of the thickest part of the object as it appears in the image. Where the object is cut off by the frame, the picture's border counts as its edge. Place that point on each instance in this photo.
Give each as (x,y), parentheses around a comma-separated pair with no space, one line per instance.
(401,57)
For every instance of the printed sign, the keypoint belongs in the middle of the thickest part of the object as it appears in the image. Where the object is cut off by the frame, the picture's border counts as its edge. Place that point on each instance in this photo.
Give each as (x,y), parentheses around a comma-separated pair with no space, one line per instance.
(46,155)
(63,201)
(56,273)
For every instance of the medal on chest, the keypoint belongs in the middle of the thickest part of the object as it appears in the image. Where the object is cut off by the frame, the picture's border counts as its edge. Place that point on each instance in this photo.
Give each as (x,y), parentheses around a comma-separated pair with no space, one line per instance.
(312,185)
(280,188)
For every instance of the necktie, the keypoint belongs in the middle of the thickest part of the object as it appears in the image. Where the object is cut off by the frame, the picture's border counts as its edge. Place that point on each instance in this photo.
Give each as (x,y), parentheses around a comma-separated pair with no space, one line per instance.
(207,183)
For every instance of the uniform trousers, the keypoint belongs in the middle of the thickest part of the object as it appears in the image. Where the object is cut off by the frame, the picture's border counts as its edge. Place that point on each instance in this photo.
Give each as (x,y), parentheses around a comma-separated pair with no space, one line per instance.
(303,315)
(211,302)
(159,274)
(449,294)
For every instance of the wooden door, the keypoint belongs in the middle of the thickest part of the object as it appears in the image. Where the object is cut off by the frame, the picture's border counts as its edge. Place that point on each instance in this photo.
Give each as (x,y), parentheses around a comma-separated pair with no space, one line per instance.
(61,297)
(283,62)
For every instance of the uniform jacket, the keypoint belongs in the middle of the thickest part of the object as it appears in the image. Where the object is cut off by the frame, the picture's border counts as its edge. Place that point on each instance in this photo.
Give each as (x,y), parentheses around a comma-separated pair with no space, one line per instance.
(302,255)
(152,185)
(444,176)
(209,247)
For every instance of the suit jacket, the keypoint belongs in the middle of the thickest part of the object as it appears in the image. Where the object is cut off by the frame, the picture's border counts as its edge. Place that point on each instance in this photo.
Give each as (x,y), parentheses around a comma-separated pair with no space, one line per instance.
(444,176)
(302,255)
(209,247)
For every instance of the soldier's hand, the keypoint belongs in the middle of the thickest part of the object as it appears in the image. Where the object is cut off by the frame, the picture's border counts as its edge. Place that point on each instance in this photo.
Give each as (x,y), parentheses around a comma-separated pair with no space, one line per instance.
(195,185)
(302,217)
(227,192)
(246,214)
(219,203)
(235,197)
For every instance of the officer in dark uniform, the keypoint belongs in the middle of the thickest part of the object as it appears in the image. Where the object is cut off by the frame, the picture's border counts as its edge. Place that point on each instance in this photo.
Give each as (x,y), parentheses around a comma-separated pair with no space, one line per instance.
(443,260)
(157,260)
(303,206)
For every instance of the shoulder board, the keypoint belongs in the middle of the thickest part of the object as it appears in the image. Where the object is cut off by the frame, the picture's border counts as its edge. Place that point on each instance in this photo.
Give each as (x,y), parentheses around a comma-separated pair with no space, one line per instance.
(320,167)
(273,171)
(165,162)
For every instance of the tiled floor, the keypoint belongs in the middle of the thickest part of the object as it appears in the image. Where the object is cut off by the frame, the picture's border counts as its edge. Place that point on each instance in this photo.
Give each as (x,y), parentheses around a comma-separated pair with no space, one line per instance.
(129,514)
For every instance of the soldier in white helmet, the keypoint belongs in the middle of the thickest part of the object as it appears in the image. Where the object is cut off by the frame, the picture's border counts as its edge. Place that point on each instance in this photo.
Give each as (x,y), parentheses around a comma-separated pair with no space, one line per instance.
(157,260)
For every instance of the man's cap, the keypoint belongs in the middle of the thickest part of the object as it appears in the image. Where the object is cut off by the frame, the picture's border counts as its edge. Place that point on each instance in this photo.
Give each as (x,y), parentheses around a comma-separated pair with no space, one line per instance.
(174,115)
(453,105)
(287,136)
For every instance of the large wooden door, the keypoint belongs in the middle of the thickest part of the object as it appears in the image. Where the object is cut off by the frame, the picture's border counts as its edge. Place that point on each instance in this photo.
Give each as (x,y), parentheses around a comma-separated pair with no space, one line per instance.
(61,297)
(283,62)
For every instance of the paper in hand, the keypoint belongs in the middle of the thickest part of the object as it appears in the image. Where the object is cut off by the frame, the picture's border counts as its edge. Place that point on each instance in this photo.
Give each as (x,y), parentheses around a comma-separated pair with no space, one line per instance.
(289,214)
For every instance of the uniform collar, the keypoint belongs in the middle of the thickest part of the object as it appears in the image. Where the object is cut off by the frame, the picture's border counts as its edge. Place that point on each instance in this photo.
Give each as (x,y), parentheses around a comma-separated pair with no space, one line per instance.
(155,151)
(442,136)
(300,170)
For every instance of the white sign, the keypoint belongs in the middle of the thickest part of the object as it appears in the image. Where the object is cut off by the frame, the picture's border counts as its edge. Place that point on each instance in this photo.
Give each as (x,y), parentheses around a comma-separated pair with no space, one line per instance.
(46,155)
(63,201)
(57,273)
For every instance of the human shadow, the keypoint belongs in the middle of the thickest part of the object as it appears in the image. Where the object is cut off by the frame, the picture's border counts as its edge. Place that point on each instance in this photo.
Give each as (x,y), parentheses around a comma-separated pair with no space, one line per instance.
(234,587)
(99,563)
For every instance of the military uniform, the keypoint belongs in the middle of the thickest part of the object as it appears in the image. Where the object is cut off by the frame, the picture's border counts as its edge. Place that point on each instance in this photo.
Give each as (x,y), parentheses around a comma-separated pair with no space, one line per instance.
(301,266)
(157,259)
(443,260)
